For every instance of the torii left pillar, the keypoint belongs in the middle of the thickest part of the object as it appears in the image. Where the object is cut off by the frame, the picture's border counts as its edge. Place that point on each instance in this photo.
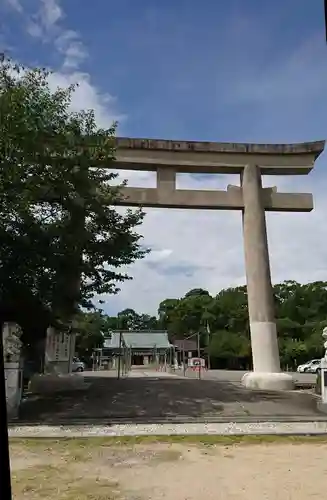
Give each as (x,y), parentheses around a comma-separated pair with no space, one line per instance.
(265,353)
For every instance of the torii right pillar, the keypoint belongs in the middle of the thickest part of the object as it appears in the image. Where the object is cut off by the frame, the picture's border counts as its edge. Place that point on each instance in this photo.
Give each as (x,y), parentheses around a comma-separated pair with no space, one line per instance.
(265,353)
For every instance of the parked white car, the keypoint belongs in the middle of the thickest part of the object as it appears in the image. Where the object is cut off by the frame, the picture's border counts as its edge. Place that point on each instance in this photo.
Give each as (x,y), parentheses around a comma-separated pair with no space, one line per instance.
(313,366)
(77,365)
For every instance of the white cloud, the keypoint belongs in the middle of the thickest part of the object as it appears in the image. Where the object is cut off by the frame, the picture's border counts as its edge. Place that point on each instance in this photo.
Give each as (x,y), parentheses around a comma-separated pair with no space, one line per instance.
(15,4)
(47,24)
(69,44)
(87,96)
(34,29)
(159,255)
(66,41)
(50,12)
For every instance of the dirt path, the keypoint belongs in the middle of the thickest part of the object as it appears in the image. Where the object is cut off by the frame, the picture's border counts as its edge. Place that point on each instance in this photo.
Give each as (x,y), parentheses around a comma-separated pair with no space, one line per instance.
(90,471)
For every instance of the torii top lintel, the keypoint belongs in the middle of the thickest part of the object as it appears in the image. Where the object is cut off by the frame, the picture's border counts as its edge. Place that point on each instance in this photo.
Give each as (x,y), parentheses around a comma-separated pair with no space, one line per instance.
(216,157)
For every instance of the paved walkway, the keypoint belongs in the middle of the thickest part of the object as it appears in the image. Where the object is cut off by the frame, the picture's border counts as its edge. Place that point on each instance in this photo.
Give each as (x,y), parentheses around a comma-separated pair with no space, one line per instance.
(150,397)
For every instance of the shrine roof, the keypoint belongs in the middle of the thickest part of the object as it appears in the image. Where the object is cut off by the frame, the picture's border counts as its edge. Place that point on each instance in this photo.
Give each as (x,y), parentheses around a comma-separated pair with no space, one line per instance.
(146,340)
(138,340)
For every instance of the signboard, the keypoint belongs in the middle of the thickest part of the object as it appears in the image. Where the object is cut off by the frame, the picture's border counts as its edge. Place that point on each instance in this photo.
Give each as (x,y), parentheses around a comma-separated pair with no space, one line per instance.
(196,363)
(57,347)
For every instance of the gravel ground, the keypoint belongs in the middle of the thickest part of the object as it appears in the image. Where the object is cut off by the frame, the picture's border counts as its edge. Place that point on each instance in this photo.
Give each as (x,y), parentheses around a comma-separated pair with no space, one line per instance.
(186,429)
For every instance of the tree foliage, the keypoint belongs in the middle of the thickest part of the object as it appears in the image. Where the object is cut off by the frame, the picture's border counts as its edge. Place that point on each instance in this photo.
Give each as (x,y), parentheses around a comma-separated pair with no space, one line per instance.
(62,239)
(90,329)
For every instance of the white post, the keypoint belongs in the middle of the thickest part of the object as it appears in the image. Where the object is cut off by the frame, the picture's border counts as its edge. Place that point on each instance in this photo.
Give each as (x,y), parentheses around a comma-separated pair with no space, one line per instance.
(324,371)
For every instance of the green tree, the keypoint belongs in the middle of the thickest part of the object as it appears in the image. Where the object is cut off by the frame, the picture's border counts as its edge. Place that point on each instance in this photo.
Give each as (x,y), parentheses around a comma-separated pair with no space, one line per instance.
(90,332)
(148,322)
(196,292)
(190,314)
(166,313)
(231,349)
(233,306)
(62,240)
(128,319)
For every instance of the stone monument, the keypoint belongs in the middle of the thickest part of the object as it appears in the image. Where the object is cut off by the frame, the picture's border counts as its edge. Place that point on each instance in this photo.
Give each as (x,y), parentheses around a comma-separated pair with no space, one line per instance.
(250,161)
(57,376)
(12,345)
(59,351)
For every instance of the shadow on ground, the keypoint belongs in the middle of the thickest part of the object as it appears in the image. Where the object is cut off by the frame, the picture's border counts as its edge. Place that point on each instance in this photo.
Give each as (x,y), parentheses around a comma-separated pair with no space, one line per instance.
(147,400)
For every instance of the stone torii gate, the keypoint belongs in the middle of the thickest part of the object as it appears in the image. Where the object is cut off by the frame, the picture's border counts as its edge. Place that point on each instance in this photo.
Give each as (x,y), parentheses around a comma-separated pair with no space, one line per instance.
(250,161)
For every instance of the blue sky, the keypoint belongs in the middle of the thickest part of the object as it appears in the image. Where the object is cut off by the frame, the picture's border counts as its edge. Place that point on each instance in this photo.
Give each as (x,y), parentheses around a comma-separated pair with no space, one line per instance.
(183,68)
(233,70)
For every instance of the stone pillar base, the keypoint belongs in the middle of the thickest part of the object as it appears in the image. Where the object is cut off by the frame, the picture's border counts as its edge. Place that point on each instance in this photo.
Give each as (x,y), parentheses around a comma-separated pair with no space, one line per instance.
(268,381)
(322,407)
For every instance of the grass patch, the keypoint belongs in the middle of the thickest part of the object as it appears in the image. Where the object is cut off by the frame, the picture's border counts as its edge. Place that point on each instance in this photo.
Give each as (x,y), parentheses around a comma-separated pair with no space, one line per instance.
(166,456)
(90,443)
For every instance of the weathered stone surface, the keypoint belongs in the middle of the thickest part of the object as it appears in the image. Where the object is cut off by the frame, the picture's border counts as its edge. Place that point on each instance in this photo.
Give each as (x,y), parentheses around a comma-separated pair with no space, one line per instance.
(268,381)
(166,197)
(221,147)
(215,157)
